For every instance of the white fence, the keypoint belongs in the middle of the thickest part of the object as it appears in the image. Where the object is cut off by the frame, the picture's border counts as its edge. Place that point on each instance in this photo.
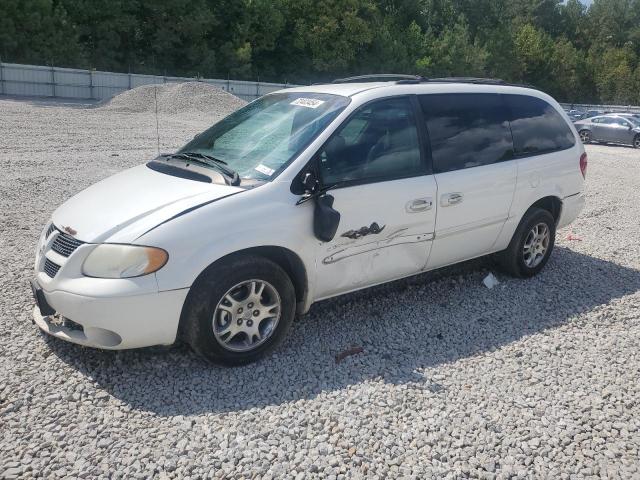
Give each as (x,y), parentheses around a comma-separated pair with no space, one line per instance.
(583,107)
(34,80)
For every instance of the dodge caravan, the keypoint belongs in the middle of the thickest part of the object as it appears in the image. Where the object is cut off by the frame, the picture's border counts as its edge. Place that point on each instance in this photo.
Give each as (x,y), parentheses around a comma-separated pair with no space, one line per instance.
(305,194)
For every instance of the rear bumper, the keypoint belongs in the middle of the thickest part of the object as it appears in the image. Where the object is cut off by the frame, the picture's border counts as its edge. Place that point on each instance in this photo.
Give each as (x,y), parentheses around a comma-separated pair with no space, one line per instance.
(113,322)
(571,208)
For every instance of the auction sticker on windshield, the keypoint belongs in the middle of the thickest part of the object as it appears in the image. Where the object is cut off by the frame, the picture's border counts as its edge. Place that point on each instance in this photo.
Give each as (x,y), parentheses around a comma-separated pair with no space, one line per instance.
(264,169)
(307,102)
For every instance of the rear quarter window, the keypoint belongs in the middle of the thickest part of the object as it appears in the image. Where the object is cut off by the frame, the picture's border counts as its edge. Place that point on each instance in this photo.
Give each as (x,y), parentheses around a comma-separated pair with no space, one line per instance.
(537,127)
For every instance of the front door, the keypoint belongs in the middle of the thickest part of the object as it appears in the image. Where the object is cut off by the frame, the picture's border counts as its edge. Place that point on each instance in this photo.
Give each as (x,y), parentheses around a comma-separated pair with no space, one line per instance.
(622,133)
(385,196)
(607,130)
(470,142)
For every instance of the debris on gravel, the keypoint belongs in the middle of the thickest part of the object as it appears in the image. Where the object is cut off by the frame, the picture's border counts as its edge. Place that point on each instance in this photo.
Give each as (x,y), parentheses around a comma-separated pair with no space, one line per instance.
(534,378)
(175,98)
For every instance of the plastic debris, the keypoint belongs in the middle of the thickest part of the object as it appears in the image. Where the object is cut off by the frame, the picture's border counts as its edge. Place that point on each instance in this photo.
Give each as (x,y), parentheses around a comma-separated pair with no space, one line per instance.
(571,236)
(348,352)
(490,281)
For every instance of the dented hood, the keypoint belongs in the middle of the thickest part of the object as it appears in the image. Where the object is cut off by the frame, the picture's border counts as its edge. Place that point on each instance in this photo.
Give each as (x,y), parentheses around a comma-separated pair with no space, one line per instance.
(124,206)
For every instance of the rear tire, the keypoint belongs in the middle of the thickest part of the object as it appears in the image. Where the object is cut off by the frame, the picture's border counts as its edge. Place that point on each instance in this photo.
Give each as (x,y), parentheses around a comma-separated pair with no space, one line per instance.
(238,310)
(585,136)
(531,245)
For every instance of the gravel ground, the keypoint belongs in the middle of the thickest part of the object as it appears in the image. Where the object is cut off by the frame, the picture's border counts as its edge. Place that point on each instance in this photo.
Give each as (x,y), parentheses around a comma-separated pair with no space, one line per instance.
(533,379)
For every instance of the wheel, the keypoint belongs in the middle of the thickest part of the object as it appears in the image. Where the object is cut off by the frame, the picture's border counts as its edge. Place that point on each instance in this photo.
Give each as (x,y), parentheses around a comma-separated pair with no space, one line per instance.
(636,141)
(531,245)
(239,310)
(585,136)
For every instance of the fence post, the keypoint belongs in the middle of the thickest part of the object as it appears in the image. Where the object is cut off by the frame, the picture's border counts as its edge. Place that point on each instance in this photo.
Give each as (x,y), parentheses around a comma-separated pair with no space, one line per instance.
(1,78)
(91,84)
(53,81)
(129,79)
(258,89)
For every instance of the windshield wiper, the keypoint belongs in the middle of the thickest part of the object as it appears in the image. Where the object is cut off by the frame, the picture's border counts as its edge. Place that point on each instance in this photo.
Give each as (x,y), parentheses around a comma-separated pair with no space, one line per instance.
(204,155)
(230,176)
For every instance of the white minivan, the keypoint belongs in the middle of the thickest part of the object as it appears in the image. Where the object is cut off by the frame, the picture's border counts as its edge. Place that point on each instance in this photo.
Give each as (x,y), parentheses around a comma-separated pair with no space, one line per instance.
(305,194)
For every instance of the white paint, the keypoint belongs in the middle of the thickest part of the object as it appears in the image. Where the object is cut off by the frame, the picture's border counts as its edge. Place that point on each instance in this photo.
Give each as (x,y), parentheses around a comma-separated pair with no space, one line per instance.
(429,221)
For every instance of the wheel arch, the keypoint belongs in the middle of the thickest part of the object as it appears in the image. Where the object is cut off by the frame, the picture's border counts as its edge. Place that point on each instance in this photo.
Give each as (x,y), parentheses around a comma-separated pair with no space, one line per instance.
(550,203)
(288,260)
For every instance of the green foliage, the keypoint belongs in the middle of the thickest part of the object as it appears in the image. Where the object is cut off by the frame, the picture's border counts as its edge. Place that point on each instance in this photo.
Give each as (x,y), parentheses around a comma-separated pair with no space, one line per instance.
(573,52)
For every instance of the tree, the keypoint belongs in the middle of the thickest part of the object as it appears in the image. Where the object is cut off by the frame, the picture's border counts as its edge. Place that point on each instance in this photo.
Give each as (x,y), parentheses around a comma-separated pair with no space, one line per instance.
(614,74)
(573,52)
(453,54)
(534,49)
(38,31)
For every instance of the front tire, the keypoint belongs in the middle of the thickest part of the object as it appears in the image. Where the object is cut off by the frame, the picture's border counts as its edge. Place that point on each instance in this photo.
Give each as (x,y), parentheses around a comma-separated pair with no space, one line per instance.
(239,310)
(531,245)
(636,141)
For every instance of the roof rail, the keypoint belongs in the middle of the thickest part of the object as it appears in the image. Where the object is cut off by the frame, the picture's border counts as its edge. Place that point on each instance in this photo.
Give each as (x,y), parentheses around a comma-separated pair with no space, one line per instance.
(473,80)
(477,80)
(403,79)
(384,77)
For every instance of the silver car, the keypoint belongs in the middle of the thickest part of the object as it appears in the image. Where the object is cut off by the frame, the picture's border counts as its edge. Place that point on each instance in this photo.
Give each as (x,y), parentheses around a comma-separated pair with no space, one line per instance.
(610,128)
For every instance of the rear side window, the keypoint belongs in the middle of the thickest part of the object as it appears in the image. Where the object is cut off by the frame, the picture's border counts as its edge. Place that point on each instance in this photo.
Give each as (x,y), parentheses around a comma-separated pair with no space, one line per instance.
(466,130)
(537,127)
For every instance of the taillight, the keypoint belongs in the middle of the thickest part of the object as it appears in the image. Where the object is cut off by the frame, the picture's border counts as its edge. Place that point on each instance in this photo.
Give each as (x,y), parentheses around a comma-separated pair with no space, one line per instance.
(583,164)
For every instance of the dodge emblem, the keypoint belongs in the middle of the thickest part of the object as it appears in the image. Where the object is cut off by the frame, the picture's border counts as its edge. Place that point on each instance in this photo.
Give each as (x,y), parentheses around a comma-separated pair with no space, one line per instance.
(69,230)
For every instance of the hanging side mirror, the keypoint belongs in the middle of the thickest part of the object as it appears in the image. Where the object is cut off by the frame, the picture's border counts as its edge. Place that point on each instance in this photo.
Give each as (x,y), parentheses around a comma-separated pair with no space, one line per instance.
(325,218)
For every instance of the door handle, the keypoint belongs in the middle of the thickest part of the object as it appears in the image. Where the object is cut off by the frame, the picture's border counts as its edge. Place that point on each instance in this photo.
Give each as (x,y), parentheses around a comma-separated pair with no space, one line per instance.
(419,205)
(451,199)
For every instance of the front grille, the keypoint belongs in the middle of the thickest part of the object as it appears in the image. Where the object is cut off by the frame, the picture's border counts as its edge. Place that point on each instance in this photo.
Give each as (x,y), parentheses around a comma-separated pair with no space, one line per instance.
(50,268)
(50,230)
(65,244)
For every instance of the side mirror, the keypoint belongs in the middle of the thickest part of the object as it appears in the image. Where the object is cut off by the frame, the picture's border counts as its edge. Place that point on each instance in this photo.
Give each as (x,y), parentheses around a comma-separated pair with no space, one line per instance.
(325,218)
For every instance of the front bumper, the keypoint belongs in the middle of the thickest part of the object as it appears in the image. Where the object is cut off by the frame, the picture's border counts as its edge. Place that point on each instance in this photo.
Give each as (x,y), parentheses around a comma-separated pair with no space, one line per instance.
(113,322)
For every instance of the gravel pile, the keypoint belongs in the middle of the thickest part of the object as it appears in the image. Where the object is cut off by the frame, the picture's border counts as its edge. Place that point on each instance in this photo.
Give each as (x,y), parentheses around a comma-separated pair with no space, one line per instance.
(175,98)
(532,379)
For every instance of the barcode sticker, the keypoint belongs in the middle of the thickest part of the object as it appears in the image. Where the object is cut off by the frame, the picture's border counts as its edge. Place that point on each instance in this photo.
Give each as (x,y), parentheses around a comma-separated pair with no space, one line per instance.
(265,170)
(307,102)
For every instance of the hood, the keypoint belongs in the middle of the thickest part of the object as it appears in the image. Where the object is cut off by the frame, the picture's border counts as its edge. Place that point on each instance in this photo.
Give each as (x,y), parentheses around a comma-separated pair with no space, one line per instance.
(124,206)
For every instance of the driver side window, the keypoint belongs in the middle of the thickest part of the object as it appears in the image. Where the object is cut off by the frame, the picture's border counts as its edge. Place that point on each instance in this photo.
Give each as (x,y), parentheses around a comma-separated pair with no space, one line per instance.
(380,141)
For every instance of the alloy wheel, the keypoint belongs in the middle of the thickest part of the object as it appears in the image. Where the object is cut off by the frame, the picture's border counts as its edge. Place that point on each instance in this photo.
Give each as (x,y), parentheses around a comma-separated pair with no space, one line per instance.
(536,245)
(247,315)
(585,136)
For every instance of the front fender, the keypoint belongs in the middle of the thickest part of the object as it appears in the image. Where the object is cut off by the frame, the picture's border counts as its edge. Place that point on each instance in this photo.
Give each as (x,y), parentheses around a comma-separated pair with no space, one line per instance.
(266,216)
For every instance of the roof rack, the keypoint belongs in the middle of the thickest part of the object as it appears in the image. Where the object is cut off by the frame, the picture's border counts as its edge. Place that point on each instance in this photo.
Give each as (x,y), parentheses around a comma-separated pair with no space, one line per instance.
(403,79)
(476,80)
(385,77)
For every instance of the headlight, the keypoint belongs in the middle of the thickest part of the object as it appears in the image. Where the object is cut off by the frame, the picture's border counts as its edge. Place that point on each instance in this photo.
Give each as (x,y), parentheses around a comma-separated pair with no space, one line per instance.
(123,261)
(40,244)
